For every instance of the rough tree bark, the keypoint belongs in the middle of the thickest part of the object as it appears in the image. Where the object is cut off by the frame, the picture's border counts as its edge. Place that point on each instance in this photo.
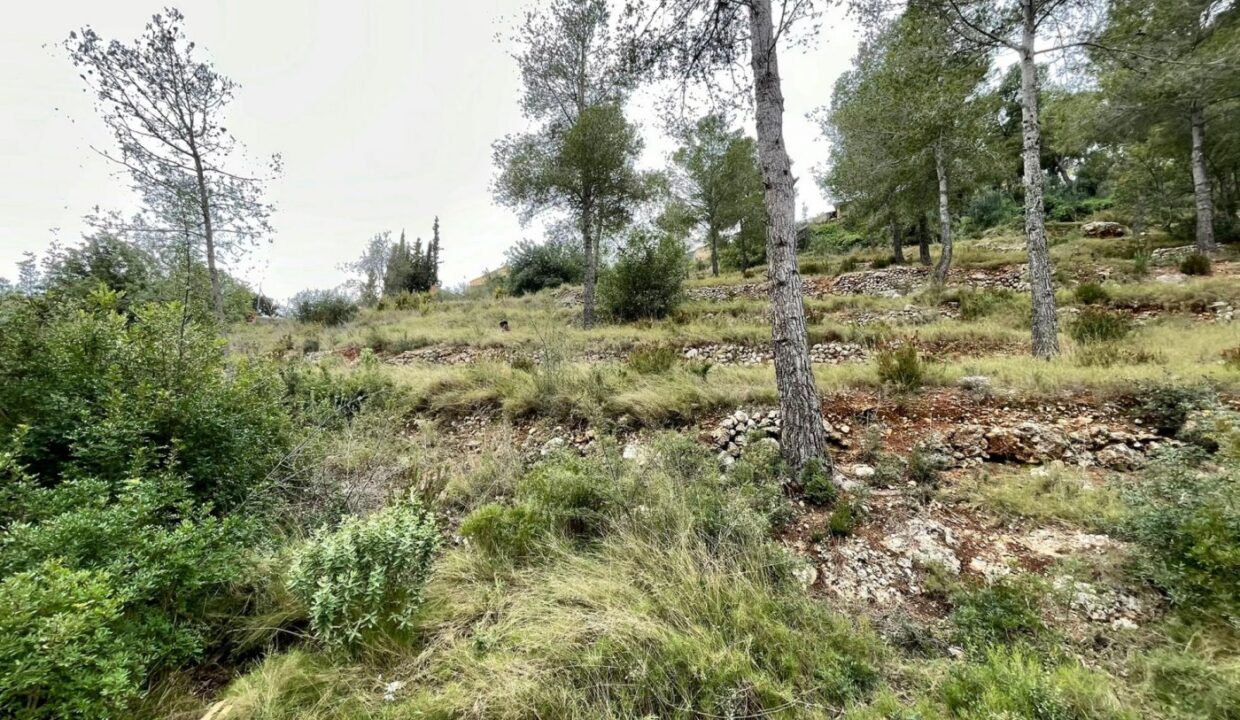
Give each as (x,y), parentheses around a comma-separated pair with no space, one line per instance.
(591,274)
(945,219)
(713,233)
(1201,184)
(204,203)
(1045,325)
(803,437)
(897,243)
(923,239)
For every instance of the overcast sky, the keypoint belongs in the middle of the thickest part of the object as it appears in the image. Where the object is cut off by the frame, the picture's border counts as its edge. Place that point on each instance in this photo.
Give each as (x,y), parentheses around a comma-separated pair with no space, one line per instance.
(384,111)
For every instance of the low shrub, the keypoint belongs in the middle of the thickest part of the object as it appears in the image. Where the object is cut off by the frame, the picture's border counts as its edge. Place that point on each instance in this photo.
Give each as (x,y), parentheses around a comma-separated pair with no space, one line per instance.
(977,304)
(1005,612)
(901,368)
(1014,684)
(1091,293)
(653,359)
(1166,407)
(817,485)
(813,266)
(1097,326)
(850,263)
(882,262)
(504,532)
(533,267)
(844,516)
(646,279)
(1192,684)
(1195,264)
(326,307)
(1187,521)
(366,577)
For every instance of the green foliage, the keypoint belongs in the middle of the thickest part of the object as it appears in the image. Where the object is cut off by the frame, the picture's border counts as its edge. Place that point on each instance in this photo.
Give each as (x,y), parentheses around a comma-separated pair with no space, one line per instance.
(533,267)
(844,516)
(1094,325)
(817,484)
(366,577)
(1195,264)
(511,533)
(831,238)
(1091,293)
(901,368)
(646,279)
(1003,613)
(1012,683)
(1166,407)
(653,359)
(977,304)
(1187,520)
(65,650)
(1193,684)
(327,307)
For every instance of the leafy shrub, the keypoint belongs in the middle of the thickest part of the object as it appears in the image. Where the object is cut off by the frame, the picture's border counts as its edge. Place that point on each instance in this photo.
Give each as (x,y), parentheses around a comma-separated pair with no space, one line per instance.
(1188,523)
(1096,326)
(405,301)
(653,359)
(1195,264)
(882,262)
(831,238)
(366,577)
(816,483)
(310,345)
(1013,684)
(1002,613)
(1166,408)
(506,532)
(901,368)
(572,495)
(533,267)
(1091,293)
(64,649)
(849,264)
(327,307)
(1193,684)
(977,304)
(844,516)
(645,281)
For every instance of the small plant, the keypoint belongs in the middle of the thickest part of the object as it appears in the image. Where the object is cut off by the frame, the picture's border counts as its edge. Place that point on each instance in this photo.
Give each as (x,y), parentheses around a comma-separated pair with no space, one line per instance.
(653,359)
(366,577)
(1091,293)
(1195,264)
(1165,408)
(1231,358)
(813,266)
(310,345)
(999,614)
(817,484)
(506,532)
(977,304)
(327,307)
(849,264)
(882,262)
(901,368)
(1097,326)
(844,516)
(1142,254)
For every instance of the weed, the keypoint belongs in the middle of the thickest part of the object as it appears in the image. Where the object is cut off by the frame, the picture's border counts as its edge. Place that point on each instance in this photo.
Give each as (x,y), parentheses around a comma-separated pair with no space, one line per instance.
(1091,293)
(901,368)
(817,484)
(1002,613)
(1097,326)
(653,359)
(1166,407)
(1195,264)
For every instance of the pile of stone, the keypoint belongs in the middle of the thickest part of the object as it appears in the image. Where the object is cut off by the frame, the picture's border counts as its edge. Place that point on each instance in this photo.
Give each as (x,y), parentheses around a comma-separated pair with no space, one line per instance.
(908,315)
(737,430)
(890,282)
(451,355)
(1079,441)
(828,353)
(1011,277)
(1171,255)
(1103,229)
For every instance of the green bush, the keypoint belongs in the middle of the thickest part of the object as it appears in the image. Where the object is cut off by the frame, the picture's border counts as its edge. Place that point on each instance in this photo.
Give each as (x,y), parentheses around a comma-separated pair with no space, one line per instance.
(1015,685)
(901,368)
(1187,521)
(533,267)
(327,307)
(1094,325)
(653,359)
(977,304)
(882,262)
(849,264)
(573,495)
(1195,264)
(1165,408)
(65,650)
(1002,613)
(366,577)
(844,516)
(1091,293)
(1193,684)
(645,281)
(817,484)
(505,532)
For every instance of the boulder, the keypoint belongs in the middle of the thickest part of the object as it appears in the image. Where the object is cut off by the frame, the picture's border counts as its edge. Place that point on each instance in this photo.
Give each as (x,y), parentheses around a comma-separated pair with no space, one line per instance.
(1102,229)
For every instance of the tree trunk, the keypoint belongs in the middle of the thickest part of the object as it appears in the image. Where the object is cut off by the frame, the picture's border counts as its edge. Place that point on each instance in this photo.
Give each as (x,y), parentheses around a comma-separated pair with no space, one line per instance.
(591,269)
(897,243)
(923,239)
(1045,325)
(803,437)
(204,204)
(713,234)
(945,219)
(1201,184)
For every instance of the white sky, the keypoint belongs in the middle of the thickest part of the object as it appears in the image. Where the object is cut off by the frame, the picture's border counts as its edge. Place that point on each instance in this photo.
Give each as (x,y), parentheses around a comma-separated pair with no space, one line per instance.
(384,111)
